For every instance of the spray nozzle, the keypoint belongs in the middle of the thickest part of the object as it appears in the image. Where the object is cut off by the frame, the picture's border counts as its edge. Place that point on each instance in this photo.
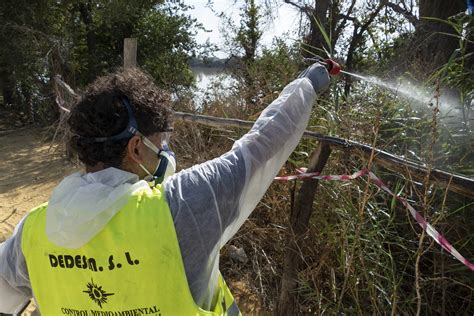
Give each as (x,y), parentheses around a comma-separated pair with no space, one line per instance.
(333,67)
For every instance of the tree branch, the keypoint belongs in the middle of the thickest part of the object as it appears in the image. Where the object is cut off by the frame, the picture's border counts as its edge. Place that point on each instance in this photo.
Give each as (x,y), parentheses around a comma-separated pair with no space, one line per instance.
(299,7)
(403,11)
(371,19)
(345,17)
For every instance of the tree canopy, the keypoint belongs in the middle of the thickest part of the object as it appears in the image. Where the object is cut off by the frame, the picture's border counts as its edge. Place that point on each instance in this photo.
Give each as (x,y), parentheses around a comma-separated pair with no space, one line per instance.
(83,39)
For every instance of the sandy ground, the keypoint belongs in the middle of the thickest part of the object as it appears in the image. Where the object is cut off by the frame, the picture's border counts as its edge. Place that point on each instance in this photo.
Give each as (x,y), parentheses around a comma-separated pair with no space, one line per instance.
(29,171)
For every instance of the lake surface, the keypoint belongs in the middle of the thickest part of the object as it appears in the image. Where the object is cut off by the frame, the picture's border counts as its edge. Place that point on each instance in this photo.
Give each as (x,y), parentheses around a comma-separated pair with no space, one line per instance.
(209,79)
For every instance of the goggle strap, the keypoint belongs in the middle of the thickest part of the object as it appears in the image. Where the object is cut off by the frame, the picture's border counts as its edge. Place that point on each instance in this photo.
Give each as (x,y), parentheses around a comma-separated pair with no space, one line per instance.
(129,131)
(150,145)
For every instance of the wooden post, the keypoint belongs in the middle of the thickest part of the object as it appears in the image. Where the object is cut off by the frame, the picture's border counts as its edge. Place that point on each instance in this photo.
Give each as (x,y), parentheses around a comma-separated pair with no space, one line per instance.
(299,220)
(129,52)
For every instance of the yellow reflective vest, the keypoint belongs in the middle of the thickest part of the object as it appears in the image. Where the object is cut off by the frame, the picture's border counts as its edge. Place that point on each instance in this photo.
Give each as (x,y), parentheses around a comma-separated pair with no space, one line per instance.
(132,267)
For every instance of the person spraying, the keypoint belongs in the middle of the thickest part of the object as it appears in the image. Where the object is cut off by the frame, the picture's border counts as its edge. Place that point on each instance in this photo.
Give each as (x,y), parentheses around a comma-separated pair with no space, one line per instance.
(129,235)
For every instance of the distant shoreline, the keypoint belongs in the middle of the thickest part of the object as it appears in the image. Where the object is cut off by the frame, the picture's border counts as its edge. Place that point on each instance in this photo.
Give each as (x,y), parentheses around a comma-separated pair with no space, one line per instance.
(213,63)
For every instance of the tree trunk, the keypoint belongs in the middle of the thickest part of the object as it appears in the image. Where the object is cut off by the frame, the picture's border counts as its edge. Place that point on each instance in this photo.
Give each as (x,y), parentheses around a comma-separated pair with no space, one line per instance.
(433,48)
(85,10)
(7,85)
(320,14)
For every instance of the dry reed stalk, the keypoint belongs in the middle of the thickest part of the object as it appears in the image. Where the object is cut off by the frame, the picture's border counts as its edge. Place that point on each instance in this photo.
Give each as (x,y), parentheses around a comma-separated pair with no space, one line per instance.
(361,213)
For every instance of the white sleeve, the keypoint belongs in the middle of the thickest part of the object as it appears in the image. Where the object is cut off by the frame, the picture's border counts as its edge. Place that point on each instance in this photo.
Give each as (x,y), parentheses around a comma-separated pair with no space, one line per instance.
(11,300)
(15,289)
(210,201)
(268,145)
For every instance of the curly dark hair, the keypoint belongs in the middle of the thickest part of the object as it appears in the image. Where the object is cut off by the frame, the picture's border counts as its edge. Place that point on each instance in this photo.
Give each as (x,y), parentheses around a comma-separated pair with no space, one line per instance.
(100,112)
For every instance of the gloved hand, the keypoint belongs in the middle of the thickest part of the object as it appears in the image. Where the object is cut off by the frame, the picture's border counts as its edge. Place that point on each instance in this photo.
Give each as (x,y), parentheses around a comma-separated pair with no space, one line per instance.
(318,75)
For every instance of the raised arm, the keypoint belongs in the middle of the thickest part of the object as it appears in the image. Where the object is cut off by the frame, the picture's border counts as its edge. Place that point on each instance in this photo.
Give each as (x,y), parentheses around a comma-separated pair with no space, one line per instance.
(209,202)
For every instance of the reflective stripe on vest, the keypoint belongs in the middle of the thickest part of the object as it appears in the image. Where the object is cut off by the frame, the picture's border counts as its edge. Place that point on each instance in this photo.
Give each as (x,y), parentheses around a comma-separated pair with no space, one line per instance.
(132,267)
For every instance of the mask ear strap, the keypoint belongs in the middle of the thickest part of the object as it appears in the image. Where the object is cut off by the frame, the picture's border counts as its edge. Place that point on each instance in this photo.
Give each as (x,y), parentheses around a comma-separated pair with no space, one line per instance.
(145,169)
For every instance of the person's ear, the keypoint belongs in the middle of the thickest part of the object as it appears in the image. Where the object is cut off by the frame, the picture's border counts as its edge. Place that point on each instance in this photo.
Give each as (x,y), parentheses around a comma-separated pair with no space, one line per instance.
(135,150)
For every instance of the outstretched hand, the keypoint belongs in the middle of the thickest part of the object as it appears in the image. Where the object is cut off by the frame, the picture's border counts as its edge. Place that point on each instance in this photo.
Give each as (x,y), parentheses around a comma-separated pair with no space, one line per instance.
(318,75)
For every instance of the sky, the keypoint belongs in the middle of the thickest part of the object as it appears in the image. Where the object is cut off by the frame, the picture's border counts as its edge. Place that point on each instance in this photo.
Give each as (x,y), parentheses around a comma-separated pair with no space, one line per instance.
(286,20)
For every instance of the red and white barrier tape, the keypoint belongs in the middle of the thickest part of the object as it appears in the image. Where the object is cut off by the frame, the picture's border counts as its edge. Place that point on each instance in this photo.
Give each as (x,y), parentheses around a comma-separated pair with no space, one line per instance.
(439,238)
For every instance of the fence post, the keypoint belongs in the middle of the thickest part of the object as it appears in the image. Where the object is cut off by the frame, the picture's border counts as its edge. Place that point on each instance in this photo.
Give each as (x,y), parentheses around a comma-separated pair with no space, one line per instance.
(129,52)
(299,219)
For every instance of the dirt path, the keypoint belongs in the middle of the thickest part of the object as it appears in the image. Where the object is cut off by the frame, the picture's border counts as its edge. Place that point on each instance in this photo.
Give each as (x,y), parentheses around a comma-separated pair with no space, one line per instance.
(29,171)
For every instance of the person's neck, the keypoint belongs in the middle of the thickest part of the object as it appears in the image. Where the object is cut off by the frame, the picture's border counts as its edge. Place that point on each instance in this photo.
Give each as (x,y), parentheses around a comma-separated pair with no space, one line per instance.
(98,167)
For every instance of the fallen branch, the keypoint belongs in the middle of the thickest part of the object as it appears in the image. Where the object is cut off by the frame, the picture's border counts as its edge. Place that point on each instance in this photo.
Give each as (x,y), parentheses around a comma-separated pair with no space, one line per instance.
(416,170)
(9,216)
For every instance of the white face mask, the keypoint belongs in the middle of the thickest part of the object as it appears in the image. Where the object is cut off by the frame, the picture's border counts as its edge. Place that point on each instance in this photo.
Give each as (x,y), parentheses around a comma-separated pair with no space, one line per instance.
(166,164)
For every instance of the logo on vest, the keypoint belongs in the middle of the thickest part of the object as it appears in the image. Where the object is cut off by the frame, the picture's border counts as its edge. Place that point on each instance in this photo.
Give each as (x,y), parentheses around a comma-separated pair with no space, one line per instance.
(96,293)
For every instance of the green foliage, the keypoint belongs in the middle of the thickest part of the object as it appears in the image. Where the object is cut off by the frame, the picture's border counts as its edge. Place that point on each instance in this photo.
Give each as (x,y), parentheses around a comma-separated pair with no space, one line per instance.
(164,31)
(83,39)
(249,33)
(457,73)
(272,70)
(242,42)
(166,42)
(279,63)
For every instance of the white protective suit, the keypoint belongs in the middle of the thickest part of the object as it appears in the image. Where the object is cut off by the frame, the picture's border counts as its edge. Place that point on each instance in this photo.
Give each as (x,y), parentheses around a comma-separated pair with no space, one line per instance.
(209,202)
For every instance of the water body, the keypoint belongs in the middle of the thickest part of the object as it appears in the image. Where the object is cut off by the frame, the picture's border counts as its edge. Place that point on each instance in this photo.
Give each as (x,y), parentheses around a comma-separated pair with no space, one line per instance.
(205,75)
(209,79)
